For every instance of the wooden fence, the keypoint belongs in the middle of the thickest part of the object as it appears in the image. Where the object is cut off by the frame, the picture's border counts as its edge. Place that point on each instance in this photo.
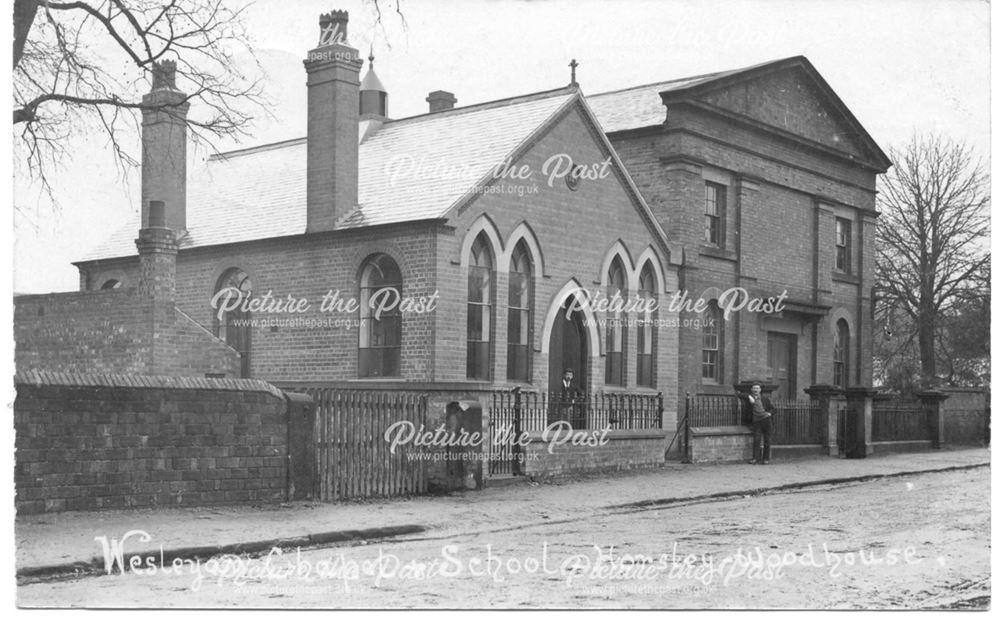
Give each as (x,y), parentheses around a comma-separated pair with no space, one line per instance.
(900,420)
(352,455)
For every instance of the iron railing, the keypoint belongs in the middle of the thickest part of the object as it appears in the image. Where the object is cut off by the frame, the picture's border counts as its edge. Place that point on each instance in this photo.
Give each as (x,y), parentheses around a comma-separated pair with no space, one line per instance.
(707,410)
(515,412)
(795,422)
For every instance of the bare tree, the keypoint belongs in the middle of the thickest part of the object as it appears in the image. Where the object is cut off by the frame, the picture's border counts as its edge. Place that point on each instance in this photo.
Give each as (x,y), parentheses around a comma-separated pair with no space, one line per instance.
(934,206)
(83,65)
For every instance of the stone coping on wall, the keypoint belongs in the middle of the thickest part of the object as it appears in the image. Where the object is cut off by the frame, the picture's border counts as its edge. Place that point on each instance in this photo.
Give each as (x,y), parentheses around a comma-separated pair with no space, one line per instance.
(80,293)
(643,433)
(713,431)
(105,380)
(422,387)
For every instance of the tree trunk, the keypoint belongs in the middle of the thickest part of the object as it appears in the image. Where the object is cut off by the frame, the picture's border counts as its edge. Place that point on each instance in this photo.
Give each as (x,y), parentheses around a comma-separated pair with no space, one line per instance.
(925,332)
(24,16)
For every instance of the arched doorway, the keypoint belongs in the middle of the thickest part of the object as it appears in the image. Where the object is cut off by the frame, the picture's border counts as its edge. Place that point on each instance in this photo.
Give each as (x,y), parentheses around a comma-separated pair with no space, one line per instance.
(568,348)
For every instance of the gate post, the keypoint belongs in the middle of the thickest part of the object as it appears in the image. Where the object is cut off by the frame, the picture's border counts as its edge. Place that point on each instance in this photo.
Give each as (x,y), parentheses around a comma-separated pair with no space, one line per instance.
(686,427)
(302,470)
(859,399)
(930,402)
(823,394)
(515,464)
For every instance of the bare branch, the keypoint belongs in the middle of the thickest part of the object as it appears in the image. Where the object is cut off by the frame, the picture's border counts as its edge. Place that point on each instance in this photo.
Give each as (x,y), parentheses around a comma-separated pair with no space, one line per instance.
(934,222)
(90,61)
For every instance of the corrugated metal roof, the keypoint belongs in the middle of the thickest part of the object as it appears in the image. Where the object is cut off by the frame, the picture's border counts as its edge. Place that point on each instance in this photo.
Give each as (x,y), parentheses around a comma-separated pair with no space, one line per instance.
(409,169)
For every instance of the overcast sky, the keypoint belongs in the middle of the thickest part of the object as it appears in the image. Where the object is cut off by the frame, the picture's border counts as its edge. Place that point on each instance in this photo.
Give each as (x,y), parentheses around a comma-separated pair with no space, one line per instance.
(900,65)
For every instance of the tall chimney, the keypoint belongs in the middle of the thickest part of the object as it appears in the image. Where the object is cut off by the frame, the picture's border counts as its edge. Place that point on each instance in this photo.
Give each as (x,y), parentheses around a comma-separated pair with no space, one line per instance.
(164,147)
(157,245)
(332,70)
(441,100)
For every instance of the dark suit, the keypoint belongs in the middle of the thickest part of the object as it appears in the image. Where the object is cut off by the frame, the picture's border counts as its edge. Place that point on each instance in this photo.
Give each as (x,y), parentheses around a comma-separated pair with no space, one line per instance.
(570,405)
(762,425)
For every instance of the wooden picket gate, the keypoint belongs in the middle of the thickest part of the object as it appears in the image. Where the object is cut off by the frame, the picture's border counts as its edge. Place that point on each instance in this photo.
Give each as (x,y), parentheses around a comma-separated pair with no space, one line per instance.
(352,455)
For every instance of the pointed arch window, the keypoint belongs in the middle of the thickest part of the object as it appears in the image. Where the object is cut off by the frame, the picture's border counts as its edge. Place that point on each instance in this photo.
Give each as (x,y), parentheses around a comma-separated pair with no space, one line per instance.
(380,333)
(480,310)
(712,344)
(646,335)
(841,353)
(520,298)
(617,331)
(233,287)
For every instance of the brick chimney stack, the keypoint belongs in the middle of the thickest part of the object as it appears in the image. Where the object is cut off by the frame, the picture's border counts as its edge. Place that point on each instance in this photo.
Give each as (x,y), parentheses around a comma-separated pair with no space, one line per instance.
(332,70)
(441,100)
(157,245)
(164,147)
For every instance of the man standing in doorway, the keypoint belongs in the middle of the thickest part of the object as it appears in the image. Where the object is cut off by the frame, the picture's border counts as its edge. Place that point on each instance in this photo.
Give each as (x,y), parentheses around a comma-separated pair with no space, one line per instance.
(569,396)
(761,409)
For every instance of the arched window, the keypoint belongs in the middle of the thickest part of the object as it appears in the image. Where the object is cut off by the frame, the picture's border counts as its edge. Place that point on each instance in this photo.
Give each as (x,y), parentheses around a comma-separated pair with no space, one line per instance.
(380,333)
(646,343)
(111,284)
(614,373)
(841,353)
(711,344)
(233,325)
(520,296)
(480,310)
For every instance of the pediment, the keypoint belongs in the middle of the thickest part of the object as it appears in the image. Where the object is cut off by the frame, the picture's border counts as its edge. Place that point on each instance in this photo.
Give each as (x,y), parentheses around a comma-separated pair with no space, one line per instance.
(795,99)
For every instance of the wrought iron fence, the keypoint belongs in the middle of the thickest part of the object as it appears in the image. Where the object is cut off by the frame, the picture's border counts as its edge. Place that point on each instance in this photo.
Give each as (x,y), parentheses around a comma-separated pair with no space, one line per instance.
(706,410)
(901,420)
(514,412)
(616,410)
(795,422)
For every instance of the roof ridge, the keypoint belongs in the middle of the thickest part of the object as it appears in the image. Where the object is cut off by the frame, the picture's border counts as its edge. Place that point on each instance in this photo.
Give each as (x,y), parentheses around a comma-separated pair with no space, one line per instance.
(255,149)
(532,96)
(694,77)
(511,100)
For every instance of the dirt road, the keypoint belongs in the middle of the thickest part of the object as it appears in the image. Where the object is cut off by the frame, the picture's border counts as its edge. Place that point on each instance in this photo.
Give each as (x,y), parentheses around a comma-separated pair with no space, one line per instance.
(916,542)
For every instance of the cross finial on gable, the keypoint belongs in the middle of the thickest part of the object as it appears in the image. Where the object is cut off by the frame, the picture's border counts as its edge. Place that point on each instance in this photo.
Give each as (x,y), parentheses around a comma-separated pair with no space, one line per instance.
(572,74)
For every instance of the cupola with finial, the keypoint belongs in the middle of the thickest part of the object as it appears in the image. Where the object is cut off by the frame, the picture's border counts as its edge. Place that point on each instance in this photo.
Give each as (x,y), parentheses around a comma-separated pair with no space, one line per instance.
(374,103)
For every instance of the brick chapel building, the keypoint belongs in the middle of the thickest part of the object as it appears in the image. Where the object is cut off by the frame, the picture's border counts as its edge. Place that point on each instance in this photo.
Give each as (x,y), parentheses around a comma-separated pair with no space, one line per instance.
(765,181)
(758,178)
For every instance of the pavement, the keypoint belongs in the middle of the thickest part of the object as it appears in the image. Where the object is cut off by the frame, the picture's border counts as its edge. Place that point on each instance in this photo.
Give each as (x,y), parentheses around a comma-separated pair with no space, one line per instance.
(67,543)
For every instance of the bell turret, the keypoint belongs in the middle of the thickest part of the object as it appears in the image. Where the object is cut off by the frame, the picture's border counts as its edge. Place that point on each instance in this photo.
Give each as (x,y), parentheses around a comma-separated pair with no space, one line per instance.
(374,104)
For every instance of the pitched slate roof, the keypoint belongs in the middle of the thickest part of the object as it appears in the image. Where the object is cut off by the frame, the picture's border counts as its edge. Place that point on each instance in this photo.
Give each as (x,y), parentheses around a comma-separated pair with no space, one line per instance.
(409,169)
(641,106)
(437,158)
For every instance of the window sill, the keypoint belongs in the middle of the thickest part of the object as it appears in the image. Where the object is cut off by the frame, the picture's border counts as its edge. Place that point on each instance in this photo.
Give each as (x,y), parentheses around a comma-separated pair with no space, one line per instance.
(717,252)
(844,277)
(710,386)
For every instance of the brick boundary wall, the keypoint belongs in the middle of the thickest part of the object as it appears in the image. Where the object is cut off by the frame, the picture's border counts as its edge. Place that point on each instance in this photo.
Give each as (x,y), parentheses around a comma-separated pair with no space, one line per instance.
(91,442)
(718,444)
(627,449)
